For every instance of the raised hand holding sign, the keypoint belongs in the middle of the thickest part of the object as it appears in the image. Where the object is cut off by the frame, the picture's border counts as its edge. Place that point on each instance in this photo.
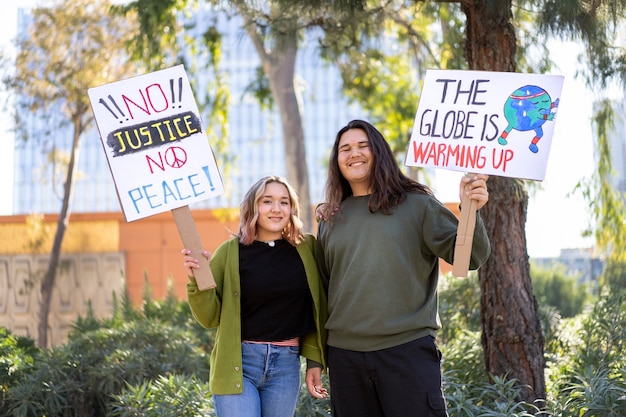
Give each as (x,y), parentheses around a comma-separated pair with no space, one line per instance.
(493,123)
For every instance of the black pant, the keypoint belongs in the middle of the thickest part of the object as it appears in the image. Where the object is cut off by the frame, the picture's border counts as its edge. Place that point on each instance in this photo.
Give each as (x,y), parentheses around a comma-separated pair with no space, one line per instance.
(401,381)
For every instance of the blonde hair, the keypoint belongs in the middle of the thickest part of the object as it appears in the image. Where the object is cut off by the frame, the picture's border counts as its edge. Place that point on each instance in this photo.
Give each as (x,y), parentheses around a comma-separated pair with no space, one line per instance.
(249,212)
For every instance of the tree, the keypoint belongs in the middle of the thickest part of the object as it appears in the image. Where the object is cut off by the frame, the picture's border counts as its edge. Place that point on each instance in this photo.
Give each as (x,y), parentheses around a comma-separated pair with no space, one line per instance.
(71,45)
(511,330)
(274,33)
(379,51)
(606,205)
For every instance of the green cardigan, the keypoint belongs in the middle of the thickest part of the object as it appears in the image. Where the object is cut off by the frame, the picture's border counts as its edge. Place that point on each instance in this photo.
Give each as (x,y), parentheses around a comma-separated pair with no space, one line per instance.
(221,307)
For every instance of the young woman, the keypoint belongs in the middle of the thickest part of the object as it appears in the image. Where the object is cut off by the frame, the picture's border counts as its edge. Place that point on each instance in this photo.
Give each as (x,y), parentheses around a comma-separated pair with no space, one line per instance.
(269,306)
(378,252)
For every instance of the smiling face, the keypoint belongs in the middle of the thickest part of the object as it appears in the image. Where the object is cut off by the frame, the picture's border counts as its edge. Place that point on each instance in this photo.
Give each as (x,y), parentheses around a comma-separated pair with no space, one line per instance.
(355,159)
(274,208)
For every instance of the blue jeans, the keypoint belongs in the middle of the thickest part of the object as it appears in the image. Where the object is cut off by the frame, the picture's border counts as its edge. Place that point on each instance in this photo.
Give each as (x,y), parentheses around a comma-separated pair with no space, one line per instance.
(271,383)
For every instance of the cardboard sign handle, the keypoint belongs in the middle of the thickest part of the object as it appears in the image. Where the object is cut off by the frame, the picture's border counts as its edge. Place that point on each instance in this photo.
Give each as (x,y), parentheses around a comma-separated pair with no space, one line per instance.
(191,240)
(464,237)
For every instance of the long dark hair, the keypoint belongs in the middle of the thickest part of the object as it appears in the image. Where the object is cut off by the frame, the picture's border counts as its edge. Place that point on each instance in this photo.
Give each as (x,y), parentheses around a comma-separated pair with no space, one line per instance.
(388,183)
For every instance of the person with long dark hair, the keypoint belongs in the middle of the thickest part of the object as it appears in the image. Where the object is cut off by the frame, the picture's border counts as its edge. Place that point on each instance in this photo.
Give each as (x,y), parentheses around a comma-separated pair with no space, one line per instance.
(379,244)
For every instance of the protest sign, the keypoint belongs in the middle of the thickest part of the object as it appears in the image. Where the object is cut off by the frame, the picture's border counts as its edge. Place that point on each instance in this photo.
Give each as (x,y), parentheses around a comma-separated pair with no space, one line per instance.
(495,123)
(157,148)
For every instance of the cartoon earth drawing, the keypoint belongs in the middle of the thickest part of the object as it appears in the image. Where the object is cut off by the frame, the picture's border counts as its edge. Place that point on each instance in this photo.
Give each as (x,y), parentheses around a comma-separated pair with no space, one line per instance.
(528,108)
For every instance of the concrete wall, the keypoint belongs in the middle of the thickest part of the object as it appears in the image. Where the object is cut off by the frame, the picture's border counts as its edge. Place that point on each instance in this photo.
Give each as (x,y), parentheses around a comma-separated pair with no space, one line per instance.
(83,279)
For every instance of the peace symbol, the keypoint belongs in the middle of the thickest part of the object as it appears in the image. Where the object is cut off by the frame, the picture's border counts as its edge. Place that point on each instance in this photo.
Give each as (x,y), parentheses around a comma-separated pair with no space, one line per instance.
(175,156)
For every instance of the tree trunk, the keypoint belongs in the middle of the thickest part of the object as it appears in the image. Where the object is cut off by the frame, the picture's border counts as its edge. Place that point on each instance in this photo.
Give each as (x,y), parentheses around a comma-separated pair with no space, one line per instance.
(279,66)
(281,76)
(512,337)
(47,285)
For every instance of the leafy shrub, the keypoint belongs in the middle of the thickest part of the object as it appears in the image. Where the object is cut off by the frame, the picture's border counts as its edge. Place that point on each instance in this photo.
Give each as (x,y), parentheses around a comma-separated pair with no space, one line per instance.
(78,378)
(185,396)
(554,287)
(171,396)
(154,361)
(104,356)
(468,389)
(463,359)
(459,306)
(17,356)
(485,399)
(168,311)
(591,380)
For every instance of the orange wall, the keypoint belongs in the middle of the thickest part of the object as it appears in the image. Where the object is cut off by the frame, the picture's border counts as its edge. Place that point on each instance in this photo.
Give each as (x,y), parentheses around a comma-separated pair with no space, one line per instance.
(153,247)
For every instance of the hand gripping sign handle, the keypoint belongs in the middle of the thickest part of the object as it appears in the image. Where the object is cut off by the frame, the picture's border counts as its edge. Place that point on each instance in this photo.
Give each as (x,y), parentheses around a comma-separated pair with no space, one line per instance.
(464,237)
(191,240)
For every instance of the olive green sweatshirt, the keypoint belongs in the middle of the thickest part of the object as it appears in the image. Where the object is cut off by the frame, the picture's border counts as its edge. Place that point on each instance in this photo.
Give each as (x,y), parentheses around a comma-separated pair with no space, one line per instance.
(382,271)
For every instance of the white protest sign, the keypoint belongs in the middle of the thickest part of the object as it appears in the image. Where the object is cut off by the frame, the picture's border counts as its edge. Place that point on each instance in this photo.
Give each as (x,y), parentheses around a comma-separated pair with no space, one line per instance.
(495,123)
(155,143)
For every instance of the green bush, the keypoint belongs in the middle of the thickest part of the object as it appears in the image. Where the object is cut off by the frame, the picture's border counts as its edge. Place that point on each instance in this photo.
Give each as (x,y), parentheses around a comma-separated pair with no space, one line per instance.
(463,359)
(186,396)
(17,357)
(459,306)
(78,378)
(591,379)
(102,357)
(495,398)
(168,311)
(554,287)
(154,361)
(171,396)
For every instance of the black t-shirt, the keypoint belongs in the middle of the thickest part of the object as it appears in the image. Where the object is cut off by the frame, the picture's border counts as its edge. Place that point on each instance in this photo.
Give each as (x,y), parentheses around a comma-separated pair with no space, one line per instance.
(276,301)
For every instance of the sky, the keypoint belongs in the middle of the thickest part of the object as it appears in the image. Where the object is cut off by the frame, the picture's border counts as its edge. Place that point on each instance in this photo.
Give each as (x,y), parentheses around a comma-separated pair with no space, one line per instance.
(555,220)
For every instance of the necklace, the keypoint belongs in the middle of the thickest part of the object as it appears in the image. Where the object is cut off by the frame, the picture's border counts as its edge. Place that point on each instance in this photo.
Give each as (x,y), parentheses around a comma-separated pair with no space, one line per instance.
(270,243)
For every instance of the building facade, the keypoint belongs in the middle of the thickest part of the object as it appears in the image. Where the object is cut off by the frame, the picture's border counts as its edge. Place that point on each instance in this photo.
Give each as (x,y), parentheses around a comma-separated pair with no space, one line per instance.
(583,264)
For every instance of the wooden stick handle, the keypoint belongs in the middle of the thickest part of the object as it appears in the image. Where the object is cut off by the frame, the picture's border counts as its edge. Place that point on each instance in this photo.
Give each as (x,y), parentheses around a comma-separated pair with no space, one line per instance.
(464,237)
(191,240)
